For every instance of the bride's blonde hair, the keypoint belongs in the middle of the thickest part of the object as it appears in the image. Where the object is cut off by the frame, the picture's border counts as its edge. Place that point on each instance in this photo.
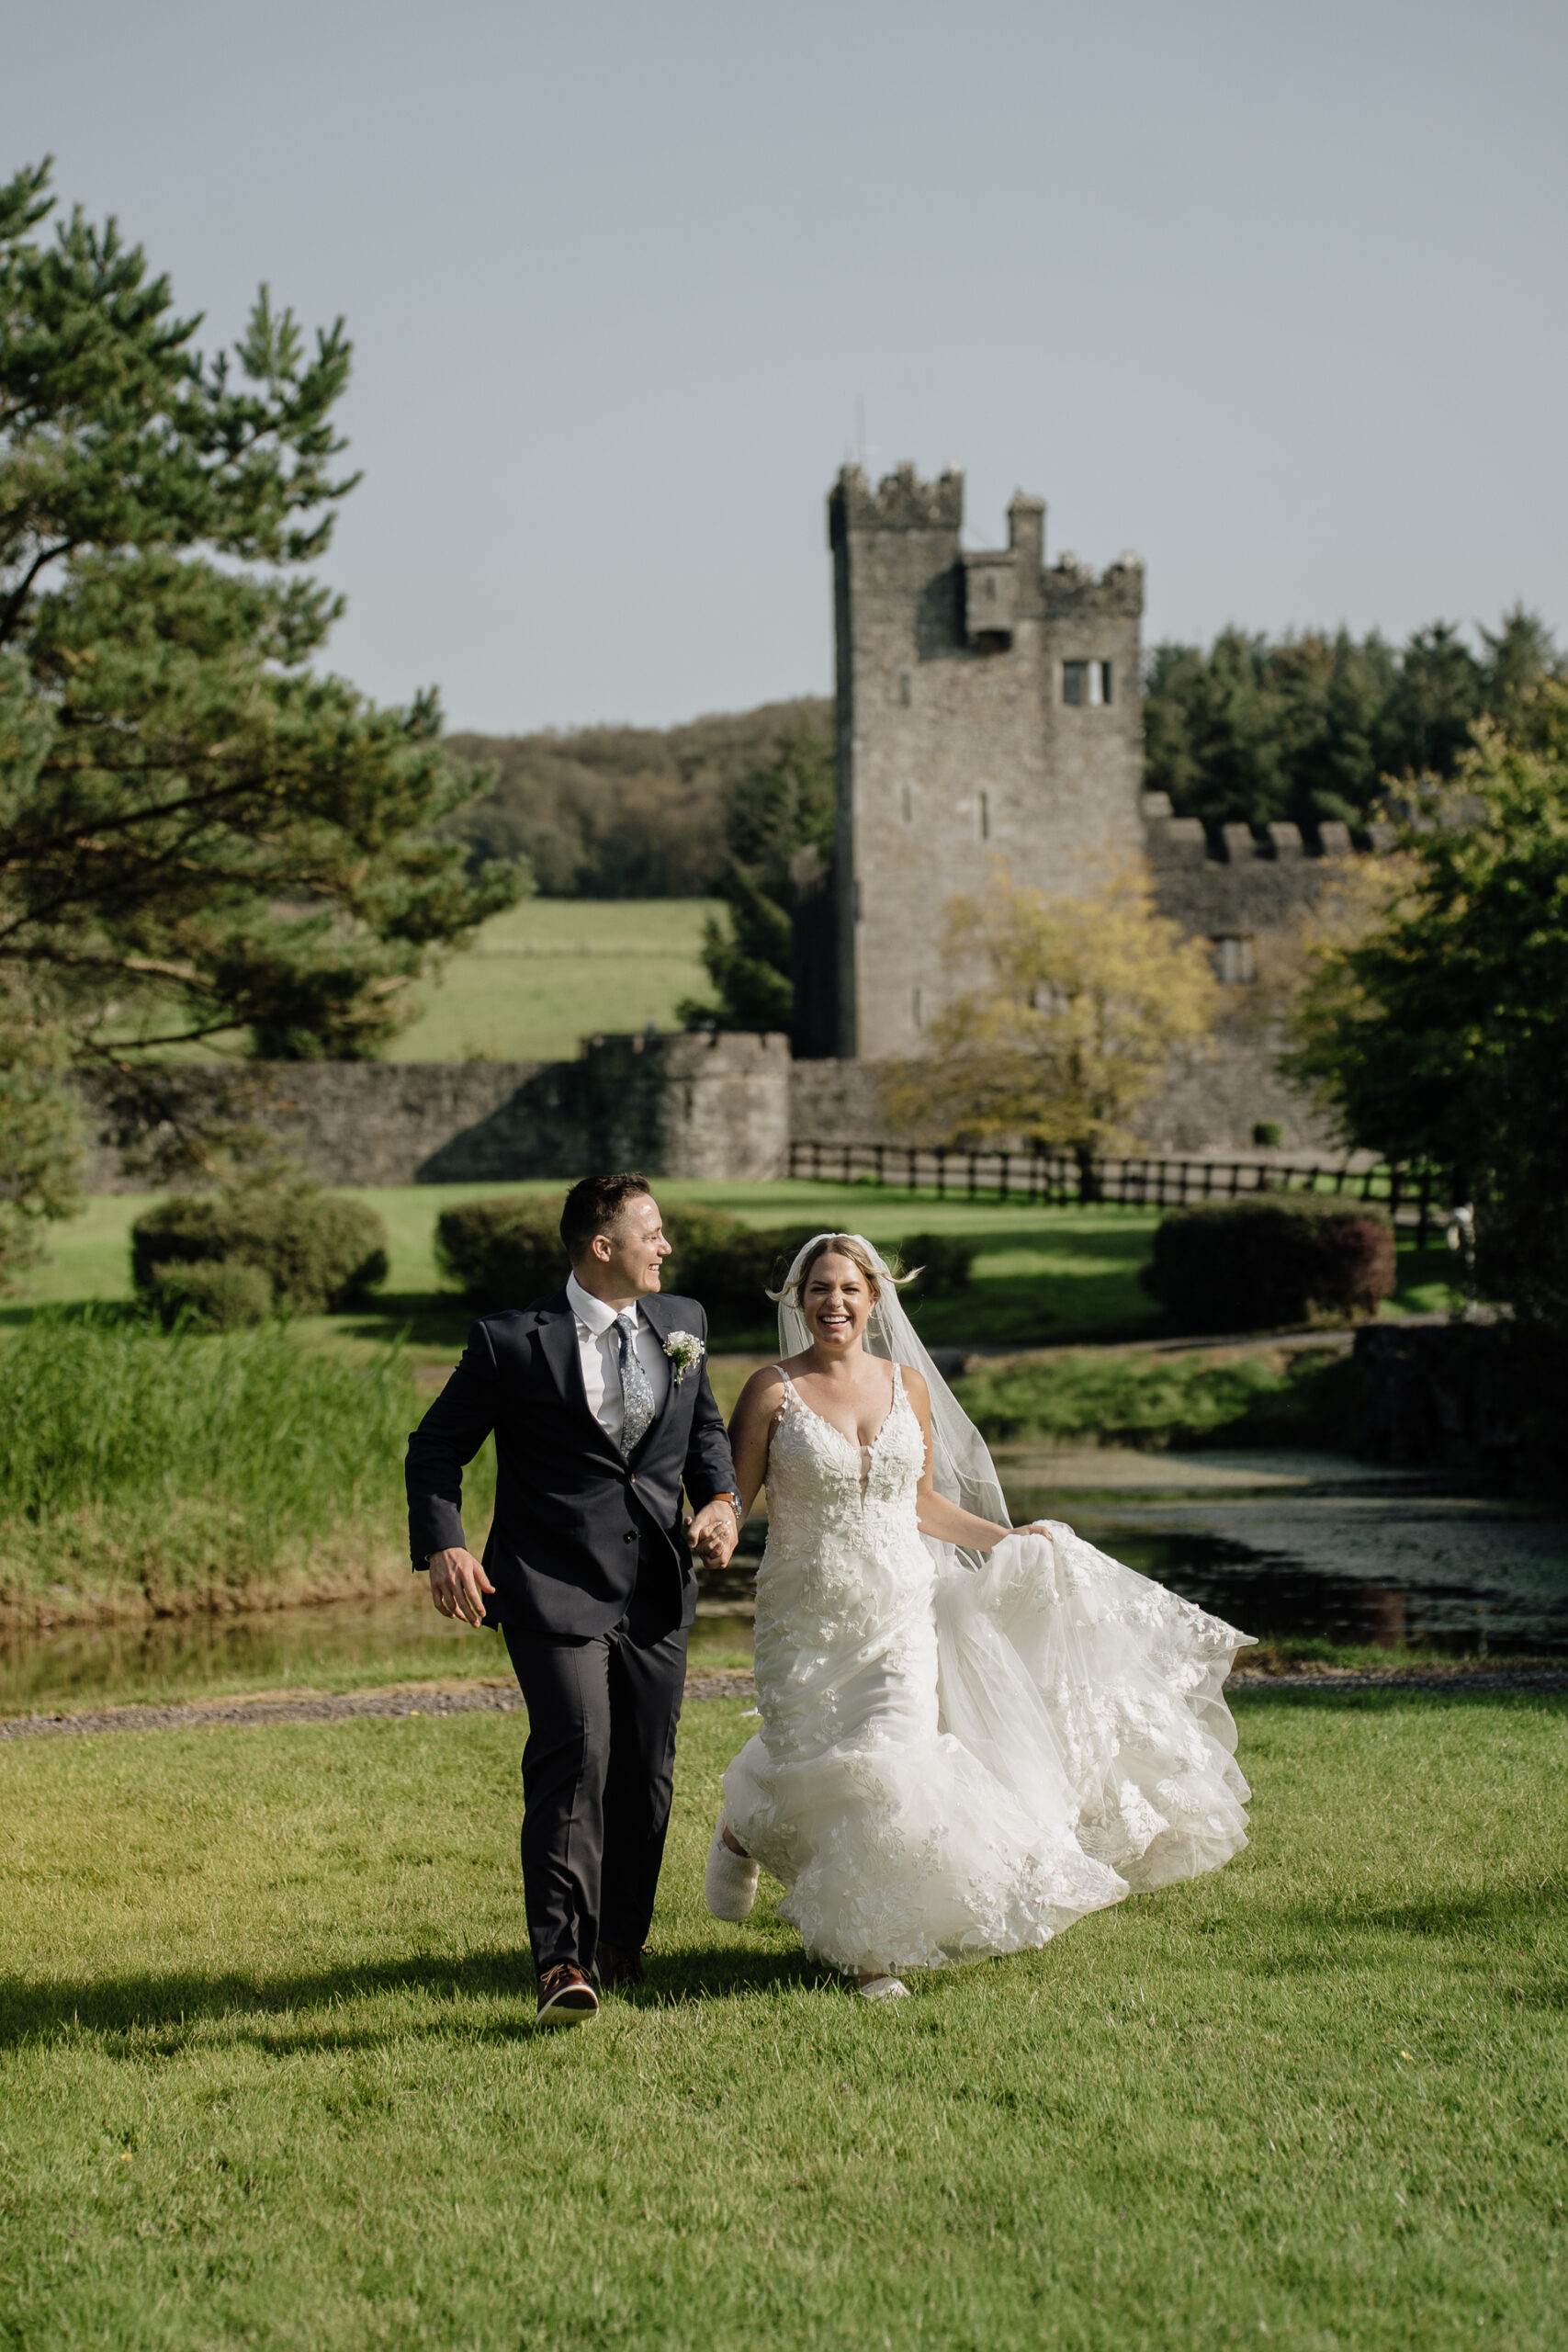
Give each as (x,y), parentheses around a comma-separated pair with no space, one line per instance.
(844,1244)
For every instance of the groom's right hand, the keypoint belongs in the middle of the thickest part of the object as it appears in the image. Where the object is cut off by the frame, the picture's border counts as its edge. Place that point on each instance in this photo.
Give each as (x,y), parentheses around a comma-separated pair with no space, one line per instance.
(457,1582)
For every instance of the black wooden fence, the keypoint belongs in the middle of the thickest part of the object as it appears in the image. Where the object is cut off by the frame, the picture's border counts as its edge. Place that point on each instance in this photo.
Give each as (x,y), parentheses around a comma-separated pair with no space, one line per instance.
(1413,1196)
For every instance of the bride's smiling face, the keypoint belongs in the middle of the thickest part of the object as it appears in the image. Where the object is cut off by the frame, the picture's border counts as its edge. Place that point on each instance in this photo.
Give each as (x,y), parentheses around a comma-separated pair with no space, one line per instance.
(836,1302)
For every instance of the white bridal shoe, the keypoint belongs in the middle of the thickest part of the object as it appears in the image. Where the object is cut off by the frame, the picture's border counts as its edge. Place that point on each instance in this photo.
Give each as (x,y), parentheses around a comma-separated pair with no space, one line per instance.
(883,1988)
(731,1880)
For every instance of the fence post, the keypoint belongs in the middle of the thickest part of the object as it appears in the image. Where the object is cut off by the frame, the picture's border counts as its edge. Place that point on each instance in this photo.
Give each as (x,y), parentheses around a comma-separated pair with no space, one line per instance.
(1423,1211)
(941,1172)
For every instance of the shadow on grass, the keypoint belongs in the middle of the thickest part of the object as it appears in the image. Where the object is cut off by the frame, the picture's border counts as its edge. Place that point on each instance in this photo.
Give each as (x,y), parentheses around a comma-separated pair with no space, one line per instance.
(168,2010)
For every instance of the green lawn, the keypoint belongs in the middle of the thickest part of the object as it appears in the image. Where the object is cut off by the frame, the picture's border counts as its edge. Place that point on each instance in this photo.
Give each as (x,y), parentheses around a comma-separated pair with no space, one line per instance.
(1041,1275)
(554,970)
(270,2078)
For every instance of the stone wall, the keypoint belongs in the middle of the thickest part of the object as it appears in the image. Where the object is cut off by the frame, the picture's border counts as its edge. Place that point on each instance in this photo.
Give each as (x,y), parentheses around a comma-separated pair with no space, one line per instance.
(1209,1102)
(709,1106)
(1212,1095)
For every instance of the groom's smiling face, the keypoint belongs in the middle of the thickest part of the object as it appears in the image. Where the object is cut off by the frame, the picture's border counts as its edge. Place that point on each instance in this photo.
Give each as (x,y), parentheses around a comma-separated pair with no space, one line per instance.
(625,1260)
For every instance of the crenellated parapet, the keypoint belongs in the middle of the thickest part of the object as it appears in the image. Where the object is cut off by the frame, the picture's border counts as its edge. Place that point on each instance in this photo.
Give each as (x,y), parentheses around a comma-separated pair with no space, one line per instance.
(1071,591)
(900,502)
(988,709)
(1239,882)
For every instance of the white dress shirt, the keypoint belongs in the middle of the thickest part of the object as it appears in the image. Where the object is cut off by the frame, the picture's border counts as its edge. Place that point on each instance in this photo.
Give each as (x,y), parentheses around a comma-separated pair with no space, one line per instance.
(599,1346)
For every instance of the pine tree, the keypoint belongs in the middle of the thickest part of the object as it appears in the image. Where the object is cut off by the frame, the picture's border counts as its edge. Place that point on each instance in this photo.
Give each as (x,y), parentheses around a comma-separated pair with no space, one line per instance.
(199,833)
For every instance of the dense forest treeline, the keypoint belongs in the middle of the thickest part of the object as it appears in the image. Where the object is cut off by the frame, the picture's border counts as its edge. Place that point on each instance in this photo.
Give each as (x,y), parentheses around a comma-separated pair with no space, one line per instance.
(627,812)
(1248,730)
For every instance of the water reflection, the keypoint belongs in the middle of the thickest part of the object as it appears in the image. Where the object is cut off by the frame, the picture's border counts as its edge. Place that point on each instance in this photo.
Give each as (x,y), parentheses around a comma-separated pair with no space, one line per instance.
(1429,1572)
(394,1639)
(1484,1586)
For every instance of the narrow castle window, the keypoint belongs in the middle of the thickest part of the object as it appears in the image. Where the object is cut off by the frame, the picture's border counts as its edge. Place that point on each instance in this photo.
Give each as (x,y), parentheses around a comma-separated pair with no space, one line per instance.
(916,1007)
(985,816)
(909,800)
(1234,962)
(906,687)
(1086,681)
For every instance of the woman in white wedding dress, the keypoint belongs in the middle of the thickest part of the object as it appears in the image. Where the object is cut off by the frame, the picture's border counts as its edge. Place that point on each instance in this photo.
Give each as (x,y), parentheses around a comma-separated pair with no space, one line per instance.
(971,1737)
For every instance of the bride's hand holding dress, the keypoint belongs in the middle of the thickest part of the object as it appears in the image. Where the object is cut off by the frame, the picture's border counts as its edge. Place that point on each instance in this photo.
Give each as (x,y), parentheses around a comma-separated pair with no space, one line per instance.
(971,1735)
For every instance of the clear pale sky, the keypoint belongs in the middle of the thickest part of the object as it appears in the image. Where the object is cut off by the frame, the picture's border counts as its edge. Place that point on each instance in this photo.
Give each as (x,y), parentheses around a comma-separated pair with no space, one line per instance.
(1273,294)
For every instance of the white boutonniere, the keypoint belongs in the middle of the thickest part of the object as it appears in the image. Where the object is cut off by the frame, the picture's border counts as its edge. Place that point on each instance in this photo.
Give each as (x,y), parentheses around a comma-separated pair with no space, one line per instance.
(685,1350)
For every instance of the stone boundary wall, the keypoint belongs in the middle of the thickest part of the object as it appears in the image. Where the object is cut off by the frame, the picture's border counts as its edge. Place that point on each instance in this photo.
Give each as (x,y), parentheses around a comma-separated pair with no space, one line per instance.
(707,1107)
(1212,1095)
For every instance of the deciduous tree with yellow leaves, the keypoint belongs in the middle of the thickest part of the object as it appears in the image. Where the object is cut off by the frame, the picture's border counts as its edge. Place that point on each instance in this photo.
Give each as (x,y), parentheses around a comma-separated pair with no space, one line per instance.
(1063,1014)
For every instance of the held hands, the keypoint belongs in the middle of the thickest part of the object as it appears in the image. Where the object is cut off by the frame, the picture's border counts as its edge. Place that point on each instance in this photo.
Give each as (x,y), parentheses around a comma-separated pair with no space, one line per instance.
(457,1584)
(714,1533)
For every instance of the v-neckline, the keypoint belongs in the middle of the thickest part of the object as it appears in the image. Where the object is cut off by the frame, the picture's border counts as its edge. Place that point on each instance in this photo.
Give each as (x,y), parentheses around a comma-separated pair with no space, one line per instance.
(853,1443)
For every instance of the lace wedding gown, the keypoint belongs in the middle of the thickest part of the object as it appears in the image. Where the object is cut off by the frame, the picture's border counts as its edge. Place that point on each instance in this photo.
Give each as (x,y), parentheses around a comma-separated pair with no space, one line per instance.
(959,1763)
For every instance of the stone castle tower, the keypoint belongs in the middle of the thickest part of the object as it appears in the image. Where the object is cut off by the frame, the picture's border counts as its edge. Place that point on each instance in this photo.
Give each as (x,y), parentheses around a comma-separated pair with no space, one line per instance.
(988,709)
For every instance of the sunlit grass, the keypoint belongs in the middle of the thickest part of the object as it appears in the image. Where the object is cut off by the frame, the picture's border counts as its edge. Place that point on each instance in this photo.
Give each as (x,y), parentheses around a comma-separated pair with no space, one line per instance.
(269,2076)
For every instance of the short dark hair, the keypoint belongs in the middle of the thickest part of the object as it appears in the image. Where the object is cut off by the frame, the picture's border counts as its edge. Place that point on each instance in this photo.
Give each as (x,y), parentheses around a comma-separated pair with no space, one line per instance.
(593,1205)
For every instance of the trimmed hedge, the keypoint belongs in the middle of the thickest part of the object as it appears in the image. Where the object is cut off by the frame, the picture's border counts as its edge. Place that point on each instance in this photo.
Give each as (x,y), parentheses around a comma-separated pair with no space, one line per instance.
(313,1252)
(507,1252)
(1277,1258)
(945,1263)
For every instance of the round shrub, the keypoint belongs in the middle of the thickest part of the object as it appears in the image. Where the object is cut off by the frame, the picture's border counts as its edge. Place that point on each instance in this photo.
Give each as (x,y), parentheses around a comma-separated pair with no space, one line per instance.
(1280,1259)
(945,1263)
(504,1252)
(318,1252)
(211,1296)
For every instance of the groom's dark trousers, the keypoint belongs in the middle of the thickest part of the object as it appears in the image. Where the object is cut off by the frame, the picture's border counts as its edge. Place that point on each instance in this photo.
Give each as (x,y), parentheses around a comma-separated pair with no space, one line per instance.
(594,1591)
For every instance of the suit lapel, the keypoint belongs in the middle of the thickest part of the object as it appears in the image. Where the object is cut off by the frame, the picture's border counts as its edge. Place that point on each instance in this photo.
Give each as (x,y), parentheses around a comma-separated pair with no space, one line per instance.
(557,1344)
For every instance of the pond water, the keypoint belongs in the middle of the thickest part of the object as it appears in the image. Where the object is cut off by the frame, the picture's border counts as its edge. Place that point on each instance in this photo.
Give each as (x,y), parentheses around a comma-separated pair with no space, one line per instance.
(1457,1574)
(1450,1572)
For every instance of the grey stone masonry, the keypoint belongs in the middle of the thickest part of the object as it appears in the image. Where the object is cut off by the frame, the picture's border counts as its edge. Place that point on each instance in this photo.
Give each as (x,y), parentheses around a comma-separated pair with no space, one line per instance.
(987,714)
(1241,885)
(707,1106)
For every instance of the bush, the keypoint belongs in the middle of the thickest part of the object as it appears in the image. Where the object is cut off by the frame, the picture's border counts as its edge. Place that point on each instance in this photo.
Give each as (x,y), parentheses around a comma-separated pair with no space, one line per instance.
(212,1294)
(1281,1258)
(318,1253)
(504,1253)
(945,1263)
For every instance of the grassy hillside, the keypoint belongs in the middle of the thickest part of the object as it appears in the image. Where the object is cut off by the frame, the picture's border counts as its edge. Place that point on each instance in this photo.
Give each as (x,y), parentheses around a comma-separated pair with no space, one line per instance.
(554,970)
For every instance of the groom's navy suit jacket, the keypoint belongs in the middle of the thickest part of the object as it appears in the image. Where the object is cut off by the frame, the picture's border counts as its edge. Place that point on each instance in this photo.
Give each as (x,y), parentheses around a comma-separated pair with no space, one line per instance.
(573,1517)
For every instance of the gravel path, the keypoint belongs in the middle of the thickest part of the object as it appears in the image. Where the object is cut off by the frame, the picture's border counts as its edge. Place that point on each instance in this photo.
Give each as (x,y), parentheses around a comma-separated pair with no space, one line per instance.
(505,1699)
(408,1699)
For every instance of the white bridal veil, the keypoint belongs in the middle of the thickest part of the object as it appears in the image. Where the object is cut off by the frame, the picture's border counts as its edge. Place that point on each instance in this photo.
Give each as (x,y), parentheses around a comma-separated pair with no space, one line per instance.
(962,1468)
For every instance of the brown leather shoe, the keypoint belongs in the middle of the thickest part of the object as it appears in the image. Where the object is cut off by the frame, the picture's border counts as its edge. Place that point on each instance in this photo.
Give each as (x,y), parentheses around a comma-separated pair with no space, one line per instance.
(617,1968)
(566,1997)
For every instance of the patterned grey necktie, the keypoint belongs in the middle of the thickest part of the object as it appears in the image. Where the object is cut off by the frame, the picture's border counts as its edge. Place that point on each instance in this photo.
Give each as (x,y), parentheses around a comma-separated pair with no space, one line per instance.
(637,1389)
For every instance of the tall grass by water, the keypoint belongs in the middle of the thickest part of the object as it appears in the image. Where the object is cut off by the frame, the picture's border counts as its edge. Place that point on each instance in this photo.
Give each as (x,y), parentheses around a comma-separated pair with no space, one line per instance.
(139,1471)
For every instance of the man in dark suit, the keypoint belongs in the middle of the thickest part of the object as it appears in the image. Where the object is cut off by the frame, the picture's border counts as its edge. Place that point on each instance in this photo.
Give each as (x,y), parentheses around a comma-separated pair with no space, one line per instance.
(600,1403)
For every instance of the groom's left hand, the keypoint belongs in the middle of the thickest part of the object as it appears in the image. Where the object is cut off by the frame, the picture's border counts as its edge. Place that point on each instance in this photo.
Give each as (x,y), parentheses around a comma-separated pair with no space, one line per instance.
(713,1533)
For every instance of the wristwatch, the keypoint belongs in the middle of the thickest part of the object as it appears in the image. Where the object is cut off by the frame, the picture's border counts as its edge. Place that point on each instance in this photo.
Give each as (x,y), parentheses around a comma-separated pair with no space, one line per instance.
(728,1494)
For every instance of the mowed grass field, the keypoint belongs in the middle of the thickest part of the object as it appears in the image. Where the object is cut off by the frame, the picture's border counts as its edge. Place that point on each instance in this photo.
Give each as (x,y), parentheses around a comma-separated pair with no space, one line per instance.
(267,2075)
(551,971)
(1041,1275)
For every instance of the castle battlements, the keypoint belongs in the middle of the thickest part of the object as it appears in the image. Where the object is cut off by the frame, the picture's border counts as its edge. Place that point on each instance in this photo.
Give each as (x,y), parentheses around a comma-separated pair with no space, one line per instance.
(989,710)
